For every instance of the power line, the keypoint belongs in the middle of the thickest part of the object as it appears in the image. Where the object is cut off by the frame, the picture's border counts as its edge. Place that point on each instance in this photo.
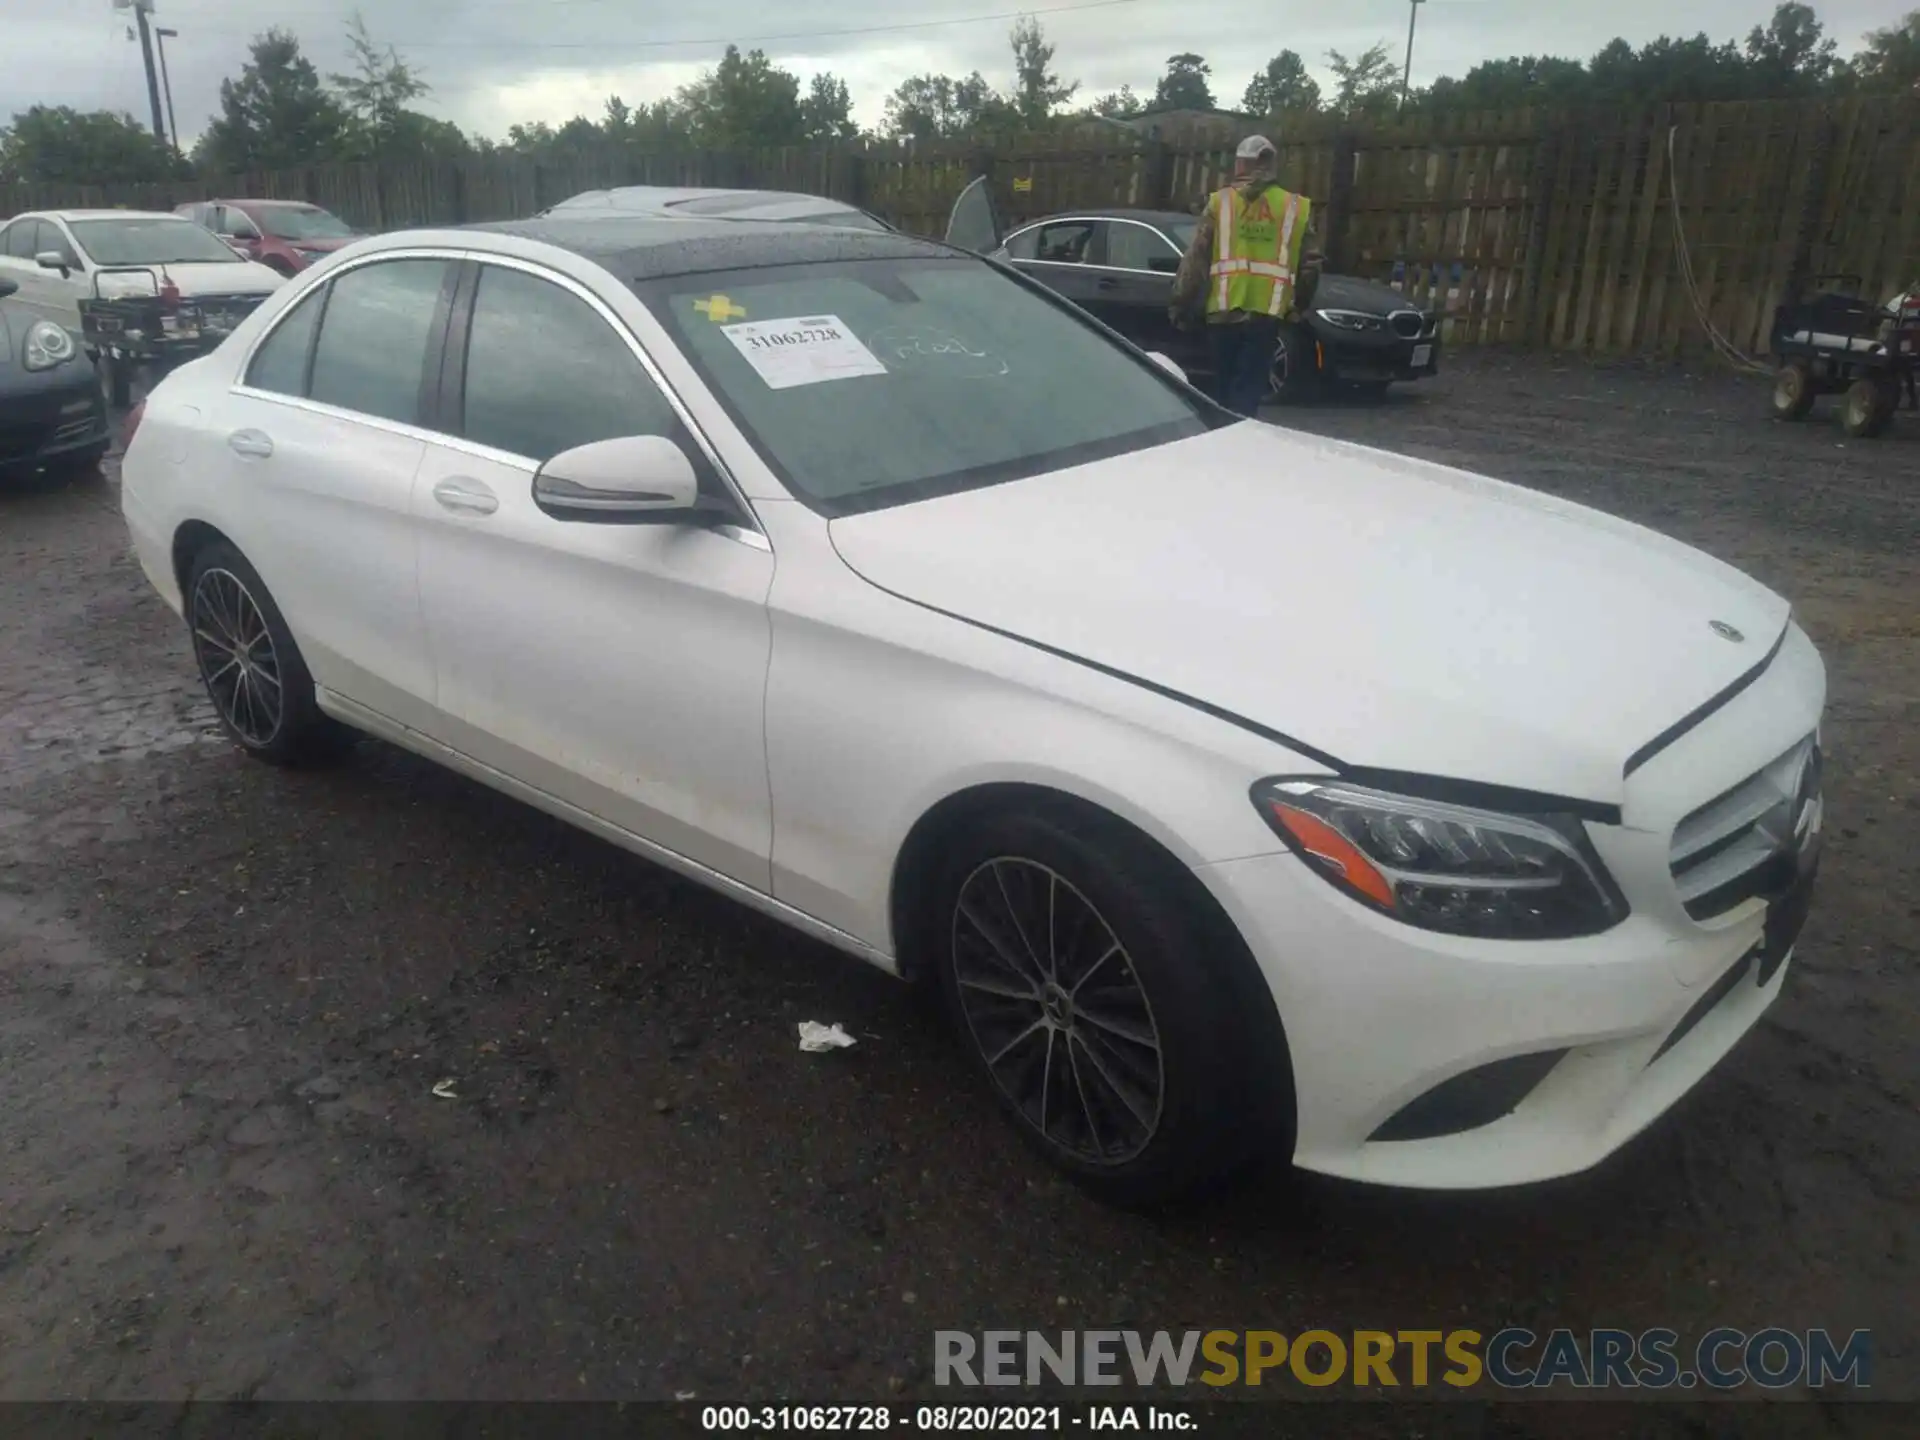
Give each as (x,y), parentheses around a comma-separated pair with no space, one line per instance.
(604,45)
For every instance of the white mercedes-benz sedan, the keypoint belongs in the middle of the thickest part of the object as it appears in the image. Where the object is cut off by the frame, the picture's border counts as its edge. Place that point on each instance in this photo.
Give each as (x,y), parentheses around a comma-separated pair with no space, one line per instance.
(1244,792)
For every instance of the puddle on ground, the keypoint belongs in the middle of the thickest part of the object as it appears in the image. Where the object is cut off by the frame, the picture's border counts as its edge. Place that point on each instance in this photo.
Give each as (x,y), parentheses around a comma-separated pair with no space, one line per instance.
(60,728)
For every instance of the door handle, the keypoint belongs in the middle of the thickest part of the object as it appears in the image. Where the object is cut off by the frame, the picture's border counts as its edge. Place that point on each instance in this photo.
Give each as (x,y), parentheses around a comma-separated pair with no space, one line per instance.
(1107,284)
(469,497)
(256,443)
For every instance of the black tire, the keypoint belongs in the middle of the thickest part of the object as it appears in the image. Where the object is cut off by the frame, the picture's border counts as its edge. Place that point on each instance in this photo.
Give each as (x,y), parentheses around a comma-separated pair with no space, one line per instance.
(1868,408)
(1793,391)
(1217,1056)
(266,701)
(1294,372)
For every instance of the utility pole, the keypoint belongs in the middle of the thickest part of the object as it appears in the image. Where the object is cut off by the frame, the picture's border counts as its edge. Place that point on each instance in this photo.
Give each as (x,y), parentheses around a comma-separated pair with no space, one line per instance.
(1406,76)
(160,37)
(141,9)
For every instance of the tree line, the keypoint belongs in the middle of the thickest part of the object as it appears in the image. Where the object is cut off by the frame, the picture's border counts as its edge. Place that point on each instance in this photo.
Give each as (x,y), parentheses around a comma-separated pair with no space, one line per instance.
(280,113)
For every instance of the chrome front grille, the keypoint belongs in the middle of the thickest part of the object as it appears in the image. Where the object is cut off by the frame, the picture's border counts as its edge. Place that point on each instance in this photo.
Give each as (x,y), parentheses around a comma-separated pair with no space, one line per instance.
(1748,841)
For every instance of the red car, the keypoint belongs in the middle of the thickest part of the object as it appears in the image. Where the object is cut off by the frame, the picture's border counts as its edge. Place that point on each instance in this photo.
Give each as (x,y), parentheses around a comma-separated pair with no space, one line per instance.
(288,235)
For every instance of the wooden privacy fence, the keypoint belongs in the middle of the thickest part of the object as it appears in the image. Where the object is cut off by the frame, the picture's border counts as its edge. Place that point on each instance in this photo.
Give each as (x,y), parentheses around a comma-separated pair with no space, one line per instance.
(1555,230)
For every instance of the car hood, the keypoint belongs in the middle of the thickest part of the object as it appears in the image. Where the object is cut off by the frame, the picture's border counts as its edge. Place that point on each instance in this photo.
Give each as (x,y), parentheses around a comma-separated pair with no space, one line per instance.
(245,277)
(1367,296)
(1388,612)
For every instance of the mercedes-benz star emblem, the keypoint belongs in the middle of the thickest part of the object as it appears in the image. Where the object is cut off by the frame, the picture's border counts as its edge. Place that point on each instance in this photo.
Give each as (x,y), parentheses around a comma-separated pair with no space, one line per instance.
(1726,631)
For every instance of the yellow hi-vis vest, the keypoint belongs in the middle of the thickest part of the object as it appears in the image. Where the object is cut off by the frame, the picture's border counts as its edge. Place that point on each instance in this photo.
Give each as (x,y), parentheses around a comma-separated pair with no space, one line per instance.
(1256,250)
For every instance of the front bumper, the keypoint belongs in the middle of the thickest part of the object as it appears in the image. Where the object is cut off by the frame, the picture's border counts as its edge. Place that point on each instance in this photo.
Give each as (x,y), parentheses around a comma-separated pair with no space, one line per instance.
(1605,1032)
(61,416)
(1392,1012)
(1367,359)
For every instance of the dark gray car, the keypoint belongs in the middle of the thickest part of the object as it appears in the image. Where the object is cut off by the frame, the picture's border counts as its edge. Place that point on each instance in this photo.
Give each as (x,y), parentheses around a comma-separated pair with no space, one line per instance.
(53,415)
(1120,263)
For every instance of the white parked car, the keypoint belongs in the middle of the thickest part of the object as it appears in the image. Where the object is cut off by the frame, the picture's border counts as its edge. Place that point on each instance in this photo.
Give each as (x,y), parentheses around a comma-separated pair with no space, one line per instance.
(192,282)
(1243,790)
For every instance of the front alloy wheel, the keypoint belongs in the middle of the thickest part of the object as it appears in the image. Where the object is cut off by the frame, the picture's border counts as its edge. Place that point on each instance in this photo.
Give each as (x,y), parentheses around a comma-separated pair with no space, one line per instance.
(237,658)
(1117,1017)
(1294,372)
(1056,1011)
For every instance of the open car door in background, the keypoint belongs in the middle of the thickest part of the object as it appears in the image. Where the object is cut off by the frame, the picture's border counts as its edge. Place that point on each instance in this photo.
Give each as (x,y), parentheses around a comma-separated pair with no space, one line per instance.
(975,222)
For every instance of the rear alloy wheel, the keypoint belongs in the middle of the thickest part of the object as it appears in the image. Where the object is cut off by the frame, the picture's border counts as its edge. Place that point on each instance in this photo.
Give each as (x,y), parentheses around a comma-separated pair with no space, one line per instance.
(253,671)
(1294,373)
(1793,391)
(1107,1016)
(1869,406)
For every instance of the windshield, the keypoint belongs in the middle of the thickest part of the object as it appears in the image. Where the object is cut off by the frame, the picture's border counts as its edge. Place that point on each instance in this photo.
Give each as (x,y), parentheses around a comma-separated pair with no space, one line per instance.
(289,223)
(151,240)
(873,383)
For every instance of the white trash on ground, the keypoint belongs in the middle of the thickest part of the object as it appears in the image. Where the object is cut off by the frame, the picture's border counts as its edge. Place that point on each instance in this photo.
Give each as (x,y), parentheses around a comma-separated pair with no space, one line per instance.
(816,1038)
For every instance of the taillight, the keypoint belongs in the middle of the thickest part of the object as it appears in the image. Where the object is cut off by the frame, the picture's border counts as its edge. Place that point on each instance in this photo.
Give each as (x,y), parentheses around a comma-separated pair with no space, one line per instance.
(133,424)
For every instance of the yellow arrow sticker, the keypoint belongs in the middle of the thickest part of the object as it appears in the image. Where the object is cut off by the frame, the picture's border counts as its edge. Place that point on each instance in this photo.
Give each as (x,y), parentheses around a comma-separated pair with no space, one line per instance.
(719,309)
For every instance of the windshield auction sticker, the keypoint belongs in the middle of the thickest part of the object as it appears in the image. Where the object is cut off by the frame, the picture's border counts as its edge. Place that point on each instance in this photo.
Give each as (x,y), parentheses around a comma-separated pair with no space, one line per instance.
(802,350)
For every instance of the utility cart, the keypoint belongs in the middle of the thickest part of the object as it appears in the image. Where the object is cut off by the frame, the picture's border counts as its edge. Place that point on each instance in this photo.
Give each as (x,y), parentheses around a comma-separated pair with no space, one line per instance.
(1840,343)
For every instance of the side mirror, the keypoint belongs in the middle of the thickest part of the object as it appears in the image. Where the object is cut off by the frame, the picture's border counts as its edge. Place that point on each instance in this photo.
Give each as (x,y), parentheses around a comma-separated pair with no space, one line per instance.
(7,287)
(1172,367)
(629,478)
(53,260)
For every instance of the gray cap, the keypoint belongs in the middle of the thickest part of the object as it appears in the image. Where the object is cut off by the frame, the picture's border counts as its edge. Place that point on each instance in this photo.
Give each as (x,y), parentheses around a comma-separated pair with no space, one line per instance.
(1255,147)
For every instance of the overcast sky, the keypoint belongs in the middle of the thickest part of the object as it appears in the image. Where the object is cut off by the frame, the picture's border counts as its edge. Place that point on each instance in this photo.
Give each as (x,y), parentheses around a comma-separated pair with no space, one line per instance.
(494,62)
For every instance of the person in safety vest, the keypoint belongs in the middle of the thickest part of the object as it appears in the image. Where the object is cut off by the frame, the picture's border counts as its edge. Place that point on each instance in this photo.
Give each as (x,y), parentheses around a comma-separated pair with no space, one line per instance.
(1254,262)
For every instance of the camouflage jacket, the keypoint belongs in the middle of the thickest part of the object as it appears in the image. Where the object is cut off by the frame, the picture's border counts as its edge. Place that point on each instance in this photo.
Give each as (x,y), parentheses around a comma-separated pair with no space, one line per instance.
(1190,284)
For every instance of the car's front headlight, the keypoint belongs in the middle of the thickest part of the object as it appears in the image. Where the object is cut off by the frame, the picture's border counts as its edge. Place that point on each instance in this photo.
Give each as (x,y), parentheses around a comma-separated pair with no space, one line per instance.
(1451,868)
(47,345)
(1351,319)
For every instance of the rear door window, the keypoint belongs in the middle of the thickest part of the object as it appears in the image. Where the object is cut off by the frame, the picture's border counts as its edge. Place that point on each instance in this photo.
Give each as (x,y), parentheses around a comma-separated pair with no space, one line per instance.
(375,337)
(280,364)
(1024,245)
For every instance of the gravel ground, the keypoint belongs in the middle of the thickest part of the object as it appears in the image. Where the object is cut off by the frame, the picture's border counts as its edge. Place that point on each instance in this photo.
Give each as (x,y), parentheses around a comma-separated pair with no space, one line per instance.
(227,995)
